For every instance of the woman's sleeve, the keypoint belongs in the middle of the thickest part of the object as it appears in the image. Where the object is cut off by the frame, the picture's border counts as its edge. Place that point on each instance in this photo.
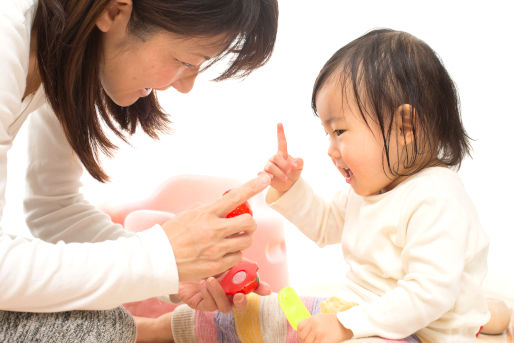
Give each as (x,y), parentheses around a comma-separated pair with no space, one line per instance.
(321,221)
(54,274)
(55,209)
(40,276)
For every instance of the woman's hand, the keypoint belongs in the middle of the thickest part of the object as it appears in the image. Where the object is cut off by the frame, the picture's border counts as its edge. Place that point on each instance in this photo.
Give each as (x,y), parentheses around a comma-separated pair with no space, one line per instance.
(323,328)
(282,167)
(207,295)
(204,242)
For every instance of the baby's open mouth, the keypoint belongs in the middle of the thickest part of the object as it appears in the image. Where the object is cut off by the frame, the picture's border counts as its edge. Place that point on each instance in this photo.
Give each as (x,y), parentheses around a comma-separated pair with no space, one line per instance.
(347,174)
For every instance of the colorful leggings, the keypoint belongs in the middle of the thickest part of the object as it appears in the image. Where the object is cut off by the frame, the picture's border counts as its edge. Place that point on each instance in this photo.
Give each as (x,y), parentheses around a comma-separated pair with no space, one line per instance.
(262,322)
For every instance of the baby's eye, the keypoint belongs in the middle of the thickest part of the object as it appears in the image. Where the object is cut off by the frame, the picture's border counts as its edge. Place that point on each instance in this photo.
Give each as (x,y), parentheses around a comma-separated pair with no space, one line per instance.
(339,132)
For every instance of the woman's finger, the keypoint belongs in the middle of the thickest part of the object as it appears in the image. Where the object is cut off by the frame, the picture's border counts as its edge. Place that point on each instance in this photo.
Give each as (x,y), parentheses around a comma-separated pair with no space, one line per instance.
(234,234)
(240,194)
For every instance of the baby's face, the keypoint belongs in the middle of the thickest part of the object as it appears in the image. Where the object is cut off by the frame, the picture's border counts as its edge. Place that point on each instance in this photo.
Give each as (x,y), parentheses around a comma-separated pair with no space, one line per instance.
(356,149)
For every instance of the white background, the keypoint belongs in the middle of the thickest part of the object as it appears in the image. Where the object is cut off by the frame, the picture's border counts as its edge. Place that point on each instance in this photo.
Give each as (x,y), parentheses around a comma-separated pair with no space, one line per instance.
(228,128)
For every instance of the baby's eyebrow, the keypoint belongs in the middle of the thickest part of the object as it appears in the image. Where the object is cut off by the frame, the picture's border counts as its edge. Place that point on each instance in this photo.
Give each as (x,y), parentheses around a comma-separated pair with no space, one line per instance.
(331,119)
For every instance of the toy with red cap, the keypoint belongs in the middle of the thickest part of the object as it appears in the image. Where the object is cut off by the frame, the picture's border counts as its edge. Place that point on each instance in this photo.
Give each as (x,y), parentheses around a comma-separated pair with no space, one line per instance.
(243,277)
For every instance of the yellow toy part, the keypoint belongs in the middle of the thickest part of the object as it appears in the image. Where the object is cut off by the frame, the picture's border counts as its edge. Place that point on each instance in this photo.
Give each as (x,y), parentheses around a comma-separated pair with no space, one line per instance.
(293,307)
(335,305)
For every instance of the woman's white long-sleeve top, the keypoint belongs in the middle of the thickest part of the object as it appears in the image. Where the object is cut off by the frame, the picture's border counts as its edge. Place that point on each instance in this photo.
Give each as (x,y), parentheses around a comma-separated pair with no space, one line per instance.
(79,258)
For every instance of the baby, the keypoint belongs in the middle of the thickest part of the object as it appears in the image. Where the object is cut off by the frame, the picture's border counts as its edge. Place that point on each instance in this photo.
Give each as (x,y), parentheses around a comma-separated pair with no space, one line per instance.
(409,232)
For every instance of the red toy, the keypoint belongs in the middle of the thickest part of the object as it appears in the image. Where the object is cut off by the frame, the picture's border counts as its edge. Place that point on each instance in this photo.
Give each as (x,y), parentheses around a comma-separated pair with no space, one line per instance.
(242,278)
(241,209)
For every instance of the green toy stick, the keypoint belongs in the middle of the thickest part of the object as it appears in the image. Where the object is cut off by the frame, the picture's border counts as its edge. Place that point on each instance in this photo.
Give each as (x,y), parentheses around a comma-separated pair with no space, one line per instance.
(293,307)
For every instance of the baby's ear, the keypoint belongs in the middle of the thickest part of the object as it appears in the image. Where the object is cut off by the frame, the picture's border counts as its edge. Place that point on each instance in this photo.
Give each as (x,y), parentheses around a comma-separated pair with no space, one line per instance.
(404,119)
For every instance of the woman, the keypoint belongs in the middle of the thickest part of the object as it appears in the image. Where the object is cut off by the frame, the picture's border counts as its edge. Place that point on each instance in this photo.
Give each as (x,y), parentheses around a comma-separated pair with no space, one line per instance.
(85,66)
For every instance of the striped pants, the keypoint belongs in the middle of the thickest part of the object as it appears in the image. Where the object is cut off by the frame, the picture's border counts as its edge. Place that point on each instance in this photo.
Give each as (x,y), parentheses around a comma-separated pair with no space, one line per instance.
(261,322)
(113,326)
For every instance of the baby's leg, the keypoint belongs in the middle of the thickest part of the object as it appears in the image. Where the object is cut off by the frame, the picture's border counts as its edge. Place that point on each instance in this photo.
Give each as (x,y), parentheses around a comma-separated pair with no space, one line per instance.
(114,325)
(410,339)
(261,321)
(335,305)
(500,317)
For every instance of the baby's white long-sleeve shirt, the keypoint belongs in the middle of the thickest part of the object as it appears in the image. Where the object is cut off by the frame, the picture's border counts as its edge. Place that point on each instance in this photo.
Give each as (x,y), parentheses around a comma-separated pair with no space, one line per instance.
(62,269)
(417,255)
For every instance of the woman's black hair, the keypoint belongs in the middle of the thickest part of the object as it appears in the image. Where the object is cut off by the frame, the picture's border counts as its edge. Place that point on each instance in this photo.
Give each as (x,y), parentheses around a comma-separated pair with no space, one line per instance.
(385,69)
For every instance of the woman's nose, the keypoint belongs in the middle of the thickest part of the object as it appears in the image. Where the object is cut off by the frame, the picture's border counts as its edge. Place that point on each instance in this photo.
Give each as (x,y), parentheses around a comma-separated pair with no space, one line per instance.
(185,83)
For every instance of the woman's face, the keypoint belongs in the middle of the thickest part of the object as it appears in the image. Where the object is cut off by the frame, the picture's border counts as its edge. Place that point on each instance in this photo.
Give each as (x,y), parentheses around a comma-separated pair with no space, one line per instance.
(131,67)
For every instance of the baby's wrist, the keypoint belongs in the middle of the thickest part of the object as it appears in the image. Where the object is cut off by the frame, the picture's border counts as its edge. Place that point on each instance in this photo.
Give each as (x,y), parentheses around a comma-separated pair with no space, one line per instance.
(273,195)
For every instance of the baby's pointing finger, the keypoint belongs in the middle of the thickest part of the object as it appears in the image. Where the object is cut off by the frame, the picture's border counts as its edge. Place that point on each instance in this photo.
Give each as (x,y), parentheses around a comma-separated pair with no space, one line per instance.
(281,140)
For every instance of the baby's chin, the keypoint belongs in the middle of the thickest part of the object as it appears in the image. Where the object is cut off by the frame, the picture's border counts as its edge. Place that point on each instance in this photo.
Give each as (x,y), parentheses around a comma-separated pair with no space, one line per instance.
(366,192)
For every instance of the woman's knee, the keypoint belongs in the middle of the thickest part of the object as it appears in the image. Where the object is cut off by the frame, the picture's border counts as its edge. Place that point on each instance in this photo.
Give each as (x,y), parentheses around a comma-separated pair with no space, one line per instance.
(116,325)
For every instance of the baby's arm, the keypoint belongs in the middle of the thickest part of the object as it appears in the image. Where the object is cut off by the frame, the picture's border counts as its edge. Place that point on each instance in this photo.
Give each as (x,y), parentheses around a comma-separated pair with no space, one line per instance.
(284,169)
(320,221)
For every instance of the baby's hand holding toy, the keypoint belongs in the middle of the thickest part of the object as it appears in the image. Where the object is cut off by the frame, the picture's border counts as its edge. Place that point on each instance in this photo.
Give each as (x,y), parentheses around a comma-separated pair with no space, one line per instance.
(284,169)
(322,328)
(292,306)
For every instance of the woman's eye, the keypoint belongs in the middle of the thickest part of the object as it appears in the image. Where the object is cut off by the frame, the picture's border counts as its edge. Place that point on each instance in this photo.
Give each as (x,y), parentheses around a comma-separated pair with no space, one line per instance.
(185,64)
(339,132)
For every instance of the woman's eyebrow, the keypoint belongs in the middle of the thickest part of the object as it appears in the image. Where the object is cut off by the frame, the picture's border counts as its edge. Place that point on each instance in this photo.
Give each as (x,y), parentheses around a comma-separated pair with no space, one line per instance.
(203,56)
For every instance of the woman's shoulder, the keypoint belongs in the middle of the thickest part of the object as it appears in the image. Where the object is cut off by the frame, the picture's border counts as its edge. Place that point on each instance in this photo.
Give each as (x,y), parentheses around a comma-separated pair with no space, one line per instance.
(18,9)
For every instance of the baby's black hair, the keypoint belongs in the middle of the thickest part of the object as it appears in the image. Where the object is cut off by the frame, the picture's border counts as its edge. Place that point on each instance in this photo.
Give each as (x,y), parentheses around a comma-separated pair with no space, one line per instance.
(386,69)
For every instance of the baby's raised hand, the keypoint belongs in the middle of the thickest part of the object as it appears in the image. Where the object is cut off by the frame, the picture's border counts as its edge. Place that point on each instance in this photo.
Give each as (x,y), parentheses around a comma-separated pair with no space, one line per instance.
(282,167)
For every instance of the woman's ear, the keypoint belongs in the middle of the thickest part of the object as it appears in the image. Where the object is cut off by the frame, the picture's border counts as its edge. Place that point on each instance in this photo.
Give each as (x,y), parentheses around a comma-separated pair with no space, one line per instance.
(111,15)
(404,119)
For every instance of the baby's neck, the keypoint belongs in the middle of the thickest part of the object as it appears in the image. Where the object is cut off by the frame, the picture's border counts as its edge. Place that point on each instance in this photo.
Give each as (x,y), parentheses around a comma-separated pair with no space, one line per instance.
(405,174)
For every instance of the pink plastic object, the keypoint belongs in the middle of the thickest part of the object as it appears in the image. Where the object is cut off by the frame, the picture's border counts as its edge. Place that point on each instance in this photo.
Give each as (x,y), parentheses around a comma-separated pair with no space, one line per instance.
(242,278)
(184,191)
